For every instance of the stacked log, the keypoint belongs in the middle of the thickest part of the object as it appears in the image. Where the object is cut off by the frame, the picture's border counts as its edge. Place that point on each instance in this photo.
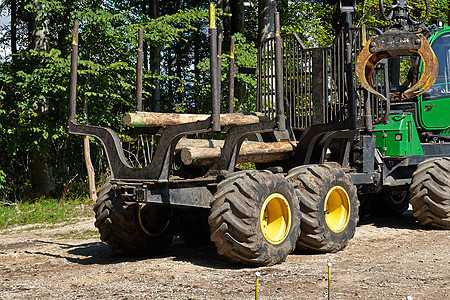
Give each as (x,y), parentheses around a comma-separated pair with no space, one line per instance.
(257,152)
(152,119)
(202,143)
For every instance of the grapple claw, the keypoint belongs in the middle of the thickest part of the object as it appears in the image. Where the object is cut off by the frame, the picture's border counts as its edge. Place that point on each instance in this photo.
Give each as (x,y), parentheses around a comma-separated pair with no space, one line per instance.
(429,71)
(395,43)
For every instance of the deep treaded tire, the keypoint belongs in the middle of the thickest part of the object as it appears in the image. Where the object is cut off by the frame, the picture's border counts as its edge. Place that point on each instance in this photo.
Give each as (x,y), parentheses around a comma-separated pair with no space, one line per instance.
(325,230)
(131,229)
(254,218)
(430,193)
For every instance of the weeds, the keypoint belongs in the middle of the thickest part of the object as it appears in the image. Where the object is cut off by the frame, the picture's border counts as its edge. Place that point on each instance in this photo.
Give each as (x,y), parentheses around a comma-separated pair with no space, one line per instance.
(42,211)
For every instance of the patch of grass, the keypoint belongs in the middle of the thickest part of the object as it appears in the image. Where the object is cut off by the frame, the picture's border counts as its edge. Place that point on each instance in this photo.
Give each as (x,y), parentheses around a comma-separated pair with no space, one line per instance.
(43,211)
(246,166)
(78,234)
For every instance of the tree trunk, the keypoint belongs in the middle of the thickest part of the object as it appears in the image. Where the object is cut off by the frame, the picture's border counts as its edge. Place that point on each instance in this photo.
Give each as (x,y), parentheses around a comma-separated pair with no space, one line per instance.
(89,169)
(197,48)
(13,27)
(156,61)
(144,12)
(237,17)
(30,26)
(266,22)
(40,36)
(169,67)
(87,157)
(41,177)
(226,22)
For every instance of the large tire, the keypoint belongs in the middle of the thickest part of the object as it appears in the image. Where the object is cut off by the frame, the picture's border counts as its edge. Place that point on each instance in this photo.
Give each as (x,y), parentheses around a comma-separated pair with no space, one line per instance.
(323,186)
(430,193)
(132,228)
(254,218)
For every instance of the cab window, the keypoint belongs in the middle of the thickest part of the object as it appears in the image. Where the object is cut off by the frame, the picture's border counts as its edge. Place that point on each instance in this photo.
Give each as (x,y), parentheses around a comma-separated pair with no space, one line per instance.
(441,87)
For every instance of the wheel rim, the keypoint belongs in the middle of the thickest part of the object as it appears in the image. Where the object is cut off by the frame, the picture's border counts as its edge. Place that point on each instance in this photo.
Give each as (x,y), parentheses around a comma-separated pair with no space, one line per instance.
(275,218)
(153,221)
(337,209)
(397,197)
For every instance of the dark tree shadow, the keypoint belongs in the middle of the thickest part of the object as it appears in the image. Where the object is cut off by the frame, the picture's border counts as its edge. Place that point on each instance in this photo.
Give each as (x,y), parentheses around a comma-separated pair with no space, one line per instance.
(98,253)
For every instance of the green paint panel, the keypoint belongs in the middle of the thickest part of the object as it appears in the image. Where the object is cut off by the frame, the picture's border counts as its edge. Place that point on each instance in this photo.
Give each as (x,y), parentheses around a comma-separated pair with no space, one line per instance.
(399,137)
(434,104)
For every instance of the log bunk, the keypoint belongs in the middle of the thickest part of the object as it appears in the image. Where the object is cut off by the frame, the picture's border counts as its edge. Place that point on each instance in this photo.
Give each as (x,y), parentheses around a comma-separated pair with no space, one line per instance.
(203,151)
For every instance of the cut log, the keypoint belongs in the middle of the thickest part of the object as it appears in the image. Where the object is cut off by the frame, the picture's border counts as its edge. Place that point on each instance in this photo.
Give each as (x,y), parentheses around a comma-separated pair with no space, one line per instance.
(252,152)
(152,119)
(202,143)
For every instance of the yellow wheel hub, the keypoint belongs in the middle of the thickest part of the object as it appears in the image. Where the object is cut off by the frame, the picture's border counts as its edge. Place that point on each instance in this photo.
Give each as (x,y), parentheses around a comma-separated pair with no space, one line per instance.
(275,218)
(337,209)
(397,197)
(153,226)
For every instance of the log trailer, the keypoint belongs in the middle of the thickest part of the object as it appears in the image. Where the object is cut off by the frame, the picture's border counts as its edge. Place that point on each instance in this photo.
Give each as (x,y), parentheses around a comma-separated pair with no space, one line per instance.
(326,136)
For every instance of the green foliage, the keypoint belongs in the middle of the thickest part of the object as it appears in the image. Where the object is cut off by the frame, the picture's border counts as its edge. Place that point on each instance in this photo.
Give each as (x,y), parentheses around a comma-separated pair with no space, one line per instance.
(309,19)
(245,55)
(368,11)
(246,166)
(2,179)
(34,85)
(439,10)
(49,211)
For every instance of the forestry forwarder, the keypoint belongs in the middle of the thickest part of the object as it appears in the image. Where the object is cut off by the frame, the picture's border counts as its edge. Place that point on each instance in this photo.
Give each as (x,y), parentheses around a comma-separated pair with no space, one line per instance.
(323,140)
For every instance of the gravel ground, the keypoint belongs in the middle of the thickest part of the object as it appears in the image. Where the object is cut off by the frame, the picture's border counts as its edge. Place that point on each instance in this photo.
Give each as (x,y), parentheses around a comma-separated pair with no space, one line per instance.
(387,259)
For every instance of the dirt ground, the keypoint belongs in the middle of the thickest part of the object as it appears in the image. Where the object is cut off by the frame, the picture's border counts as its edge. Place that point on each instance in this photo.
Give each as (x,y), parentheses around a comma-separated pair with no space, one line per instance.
(387,259)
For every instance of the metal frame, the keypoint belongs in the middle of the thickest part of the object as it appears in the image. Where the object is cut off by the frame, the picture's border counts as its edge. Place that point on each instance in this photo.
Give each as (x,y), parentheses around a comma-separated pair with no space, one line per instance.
(159,168)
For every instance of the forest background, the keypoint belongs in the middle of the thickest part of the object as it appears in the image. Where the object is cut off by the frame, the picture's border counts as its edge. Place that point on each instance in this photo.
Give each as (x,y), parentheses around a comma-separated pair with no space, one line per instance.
(40,159)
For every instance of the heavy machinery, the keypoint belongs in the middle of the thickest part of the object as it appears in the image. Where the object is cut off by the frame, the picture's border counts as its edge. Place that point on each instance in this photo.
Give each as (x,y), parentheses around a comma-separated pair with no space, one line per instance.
(319,142)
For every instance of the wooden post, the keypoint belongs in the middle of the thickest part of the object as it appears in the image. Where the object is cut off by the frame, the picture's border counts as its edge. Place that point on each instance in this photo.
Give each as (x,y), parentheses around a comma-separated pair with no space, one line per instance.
(139,71)
(215,118)
(281,119)
(87,157)
(219,58)
(231,73)
(73,73)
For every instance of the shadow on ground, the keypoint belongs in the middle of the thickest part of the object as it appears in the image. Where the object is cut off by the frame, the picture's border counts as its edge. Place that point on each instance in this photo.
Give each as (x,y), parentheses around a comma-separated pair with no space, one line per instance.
(205,255)
(405,221)
(98,253)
